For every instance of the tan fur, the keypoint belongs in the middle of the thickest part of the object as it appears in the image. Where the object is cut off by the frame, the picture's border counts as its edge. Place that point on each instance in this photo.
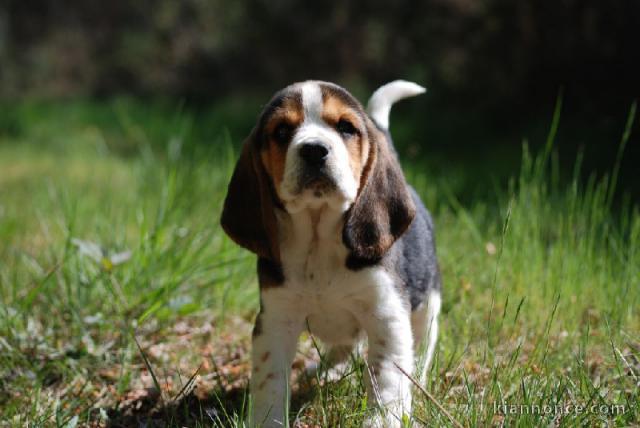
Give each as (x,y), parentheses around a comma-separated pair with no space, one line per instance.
(335,109)
(274,156)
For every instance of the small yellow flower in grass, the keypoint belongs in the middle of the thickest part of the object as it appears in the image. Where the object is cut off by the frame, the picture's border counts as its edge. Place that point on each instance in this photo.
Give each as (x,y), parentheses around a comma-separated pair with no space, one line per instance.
(106,264)
(100,255)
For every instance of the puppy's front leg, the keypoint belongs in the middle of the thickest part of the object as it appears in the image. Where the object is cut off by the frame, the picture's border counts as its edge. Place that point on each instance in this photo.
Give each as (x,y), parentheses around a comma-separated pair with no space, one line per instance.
(275,337)
(390,343)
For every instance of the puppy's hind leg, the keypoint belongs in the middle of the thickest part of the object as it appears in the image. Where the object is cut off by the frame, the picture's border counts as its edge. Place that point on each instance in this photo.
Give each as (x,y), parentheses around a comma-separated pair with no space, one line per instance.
(334,364)
(424,324)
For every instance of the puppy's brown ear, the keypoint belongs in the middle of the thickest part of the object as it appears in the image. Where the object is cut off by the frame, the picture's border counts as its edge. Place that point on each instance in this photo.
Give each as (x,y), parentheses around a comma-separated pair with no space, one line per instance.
(248,215)
(383,209)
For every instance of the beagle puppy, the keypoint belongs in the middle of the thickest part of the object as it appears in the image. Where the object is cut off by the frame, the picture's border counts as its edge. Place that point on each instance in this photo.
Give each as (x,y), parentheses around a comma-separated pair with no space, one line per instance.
(345,247)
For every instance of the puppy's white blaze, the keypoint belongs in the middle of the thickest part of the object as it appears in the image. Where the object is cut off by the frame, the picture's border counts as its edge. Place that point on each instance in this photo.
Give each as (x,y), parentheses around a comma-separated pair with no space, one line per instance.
(379,105)
(311,101)
(314,128)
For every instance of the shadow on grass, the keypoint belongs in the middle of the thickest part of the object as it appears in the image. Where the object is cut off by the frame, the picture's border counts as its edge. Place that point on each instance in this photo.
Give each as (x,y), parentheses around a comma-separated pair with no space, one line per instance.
(219,408)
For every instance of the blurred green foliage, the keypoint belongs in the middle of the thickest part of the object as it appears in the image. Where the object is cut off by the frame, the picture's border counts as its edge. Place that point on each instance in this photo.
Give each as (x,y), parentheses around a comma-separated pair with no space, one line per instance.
(201,49)
(493,68)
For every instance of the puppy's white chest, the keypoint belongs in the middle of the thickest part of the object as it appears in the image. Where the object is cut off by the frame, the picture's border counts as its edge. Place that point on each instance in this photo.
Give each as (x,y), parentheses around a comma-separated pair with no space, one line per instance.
(325,293)
(316,268)
(313,253)
(317,283)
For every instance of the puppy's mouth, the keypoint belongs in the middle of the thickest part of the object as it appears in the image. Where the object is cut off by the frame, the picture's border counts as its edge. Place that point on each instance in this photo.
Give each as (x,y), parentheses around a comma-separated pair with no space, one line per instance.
(315,187)
(318,182)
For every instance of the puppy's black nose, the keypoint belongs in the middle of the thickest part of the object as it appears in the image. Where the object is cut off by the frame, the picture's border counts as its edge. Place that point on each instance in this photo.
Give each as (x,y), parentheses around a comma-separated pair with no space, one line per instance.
(314,153)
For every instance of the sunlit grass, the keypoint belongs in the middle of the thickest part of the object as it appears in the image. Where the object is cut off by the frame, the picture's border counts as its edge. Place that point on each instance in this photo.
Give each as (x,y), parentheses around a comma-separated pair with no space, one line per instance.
(541,283)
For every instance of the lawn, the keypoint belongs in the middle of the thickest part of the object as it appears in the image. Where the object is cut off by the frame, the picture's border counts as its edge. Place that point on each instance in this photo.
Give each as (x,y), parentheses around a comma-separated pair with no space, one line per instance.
(122,303)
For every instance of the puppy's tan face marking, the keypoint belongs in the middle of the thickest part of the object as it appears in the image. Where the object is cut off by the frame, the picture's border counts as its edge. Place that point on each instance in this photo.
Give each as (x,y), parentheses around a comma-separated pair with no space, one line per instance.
(279,125)
(346,120)
(326,117)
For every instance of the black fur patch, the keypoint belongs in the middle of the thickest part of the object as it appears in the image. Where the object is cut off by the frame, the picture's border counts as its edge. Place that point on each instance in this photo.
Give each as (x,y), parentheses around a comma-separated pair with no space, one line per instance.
(269,273)
(356,263)
(400,215)
(413,257)
(257,326)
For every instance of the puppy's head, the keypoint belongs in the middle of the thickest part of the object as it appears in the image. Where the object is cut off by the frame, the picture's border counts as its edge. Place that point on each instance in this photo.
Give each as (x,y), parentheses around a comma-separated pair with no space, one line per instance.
(314,146)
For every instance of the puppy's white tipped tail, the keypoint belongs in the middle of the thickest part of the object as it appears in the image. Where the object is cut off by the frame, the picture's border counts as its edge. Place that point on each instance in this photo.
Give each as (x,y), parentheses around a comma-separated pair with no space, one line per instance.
(385,96)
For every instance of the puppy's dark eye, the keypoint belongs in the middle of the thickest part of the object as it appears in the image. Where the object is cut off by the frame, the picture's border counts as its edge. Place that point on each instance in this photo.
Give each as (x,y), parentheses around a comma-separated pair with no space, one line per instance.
(282,133)
(346,128)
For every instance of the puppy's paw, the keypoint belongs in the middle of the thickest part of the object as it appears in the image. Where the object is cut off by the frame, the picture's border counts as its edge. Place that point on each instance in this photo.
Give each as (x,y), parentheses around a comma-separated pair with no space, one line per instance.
(385,420)
(334,373)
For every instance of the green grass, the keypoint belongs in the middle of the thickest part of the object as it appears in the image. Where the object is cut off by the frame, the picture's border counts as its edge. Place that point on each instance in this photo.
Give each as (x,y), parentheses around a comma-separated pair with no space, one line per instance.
(541,282)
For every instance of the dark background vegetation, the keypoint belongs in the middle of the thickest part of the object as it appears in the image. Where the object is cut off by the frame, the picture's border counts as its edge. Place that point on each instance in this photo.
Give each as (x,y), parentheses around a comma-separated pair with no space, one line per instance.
(494,68)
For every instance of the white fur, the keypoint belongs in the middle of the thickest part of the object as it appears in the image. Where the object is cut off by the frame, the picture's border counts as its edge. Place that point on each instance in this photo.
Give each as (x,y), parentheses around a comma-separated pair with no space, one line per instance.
(379,105)
(424,322)
(272,353)
(313,128)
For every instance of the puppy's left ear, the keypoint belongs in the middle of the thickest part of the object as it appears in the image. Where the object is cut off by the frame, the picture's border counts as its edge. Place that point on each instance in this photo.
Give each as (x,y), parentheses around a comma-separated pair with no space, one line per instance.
(383,209)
